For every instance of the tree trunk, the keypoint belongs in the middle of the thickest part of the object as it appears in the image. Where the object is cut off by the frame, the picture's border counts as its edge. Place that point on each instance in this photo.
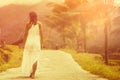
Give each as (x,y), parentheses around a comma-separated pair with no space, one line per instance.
(84,35)
(106,43)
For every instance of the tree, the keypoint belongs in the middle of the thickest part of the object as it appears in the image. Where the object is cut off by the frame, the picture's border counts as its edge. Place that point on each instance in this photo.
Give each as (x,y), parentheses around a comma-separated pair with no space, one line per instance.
(74,9)
(105,13)
(62,21)
(101,10)
(107,25)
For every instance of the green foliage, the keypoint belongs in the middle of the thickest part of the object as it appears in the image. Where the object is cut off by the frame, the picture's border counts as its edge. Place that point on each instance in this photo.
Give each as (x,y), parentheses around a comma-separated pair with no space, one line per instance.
(80,24)
(10,57)
(95,64)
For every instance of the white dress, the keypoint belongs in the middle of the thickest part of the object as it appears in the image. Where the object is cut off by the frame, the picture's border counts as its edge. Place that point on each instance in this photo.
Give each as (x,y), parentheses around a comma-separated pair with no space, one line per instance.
(32,49)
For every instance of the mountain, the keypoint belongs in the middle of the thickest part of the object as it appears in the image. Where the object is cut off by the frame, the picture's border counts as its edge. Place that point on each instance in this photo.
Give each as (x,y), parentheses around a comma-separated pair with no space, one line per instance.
(13,19)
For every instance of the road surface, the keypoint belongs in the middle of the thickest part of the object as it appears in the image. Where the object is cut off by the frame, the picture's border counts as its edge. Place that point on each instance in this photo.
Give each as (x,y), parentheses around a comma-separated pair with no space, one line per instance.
(53,65)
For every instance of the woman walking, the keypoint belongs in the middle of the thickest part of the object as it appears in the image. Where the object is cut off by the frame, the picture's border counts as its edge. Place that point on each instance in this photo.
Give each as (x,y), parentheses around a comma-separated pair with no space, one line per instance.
(33,40)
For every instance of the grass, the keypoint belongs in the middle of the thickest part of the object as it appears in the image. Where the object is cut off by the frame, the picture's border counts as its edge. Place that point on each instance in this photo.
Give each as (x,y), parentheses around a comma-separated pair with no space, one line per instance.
(10,57)
(95,64)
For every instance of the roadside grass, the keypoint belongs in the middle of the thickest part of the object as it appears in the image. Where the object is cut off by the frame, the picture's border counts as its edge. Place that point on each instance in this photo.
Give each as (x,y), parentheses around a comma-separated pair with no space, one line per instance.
(94,63)
(10,57)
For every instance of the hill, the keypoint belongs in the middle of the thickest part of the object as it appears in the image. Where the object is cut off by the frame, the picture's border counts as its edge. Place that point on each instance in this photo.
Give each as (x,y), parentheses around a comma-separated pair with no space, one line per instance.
(13,19)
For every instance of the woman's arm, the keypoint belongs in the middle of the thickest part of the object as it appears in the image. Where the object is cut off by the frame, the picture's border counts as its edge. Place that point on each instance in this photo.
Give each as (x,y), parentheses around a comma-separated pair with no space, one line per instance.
(17,42)
(26,32)
(23,36)
(41,35)
(20,39)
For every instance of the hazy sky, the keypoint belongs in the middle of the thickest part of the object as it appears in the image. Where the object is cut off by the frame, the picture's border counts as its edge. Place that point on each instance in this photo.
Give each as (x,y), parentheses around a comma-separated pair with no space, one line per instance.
(6,2)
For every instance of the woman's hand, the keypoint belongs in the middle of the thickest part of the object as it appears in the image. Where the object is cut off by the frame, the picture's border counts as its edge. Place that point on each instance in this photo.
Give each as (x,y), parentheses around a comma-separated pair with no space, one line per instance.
(17,42)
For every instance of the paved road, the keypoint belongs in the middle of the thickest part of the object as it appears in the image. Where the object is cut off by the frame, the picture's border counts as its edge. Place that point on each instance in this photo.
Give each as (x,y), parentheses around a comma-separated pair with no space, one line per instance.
(54,65)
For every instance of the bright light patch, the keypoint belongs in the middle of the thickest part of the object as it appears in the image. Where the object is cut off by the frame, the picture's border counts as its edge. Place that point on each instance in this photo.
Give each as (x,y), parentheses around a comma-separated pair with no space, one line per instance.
(27,2)
(117,2)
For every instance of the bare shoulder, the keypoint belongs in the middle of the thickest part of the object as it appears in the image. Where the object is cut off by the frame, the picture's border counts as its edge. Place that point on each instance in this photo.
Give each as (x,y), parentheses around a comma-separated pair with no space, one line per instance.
(40,24)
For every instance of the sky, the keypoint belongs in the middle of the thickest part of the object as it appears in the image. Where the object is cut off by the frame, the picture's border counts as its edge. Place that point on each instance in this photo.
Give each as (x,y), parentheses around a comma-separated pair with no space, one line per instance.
(29,2)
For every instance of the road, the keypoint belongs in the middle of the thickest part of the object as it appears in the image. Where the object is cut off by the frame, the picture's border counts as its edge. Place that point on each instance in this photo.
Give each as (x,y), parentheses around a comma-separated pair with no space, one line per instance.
(53,65)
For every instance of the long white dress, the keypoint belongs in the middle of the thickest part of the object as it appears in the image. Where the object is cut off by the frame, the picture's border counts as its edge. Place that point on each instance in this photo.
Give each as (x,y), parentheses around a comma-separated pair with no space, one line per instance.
(32,49)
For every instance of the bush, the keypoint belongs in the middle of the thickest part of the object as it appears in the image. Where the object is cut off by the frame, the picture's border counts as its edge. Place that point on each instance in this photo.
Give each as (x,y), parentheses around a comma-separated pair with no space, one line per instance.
(95,64)
(10,57)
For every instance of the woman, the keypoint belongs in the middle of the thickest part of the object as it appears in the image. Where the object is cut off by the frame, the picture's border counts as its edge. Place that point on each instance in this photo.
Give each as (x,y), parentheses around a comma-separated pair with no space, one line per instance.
(33,40)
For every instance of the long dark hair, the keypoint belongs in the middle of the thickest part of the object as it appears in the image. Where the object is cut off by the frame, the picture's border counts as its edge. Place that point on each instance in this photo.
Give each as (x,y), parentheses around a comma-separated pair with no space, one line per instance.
(33,17)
